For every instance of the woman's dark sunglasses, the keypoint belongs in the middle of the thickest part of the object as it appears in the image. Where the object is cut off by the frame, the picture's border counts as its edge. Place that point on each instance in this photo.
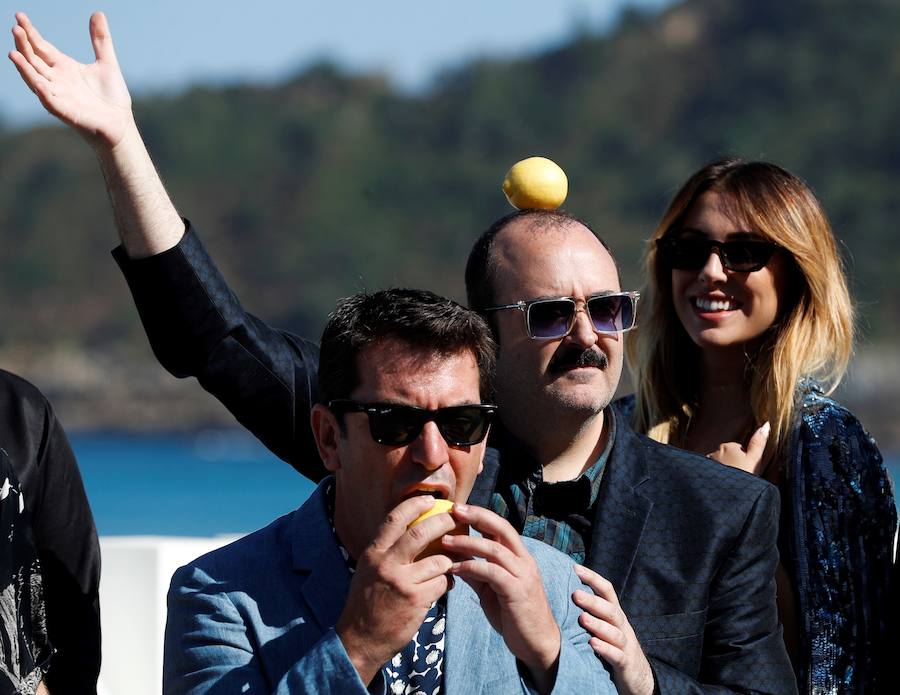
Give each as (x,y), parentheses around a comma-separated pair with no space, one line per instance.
(546,319)
(395,424)
(742,256)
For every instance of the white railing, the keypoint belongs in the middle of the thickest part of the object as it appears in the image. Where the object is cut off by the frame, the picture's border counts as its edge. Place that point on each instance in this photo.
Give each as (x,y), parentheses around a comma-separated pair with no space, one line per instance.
(135,579)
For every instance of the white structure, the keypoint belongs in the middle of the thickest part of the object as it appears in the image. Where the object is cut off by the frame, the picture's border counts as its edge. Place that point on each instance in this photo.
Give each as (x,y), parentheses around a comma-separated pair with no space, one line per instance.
(135,579)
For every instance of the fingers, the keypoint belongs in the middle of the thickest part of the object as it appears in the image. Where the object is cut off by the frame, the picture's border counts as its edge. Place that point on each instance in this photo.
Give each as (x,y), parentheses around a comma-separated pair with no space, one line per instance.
(603,631)
(492,551)
(405,543)
(601,619)
(491,526)
(25,49)
(611,654)
(101,38)
(42,48)
(599,585)
(429,569)
(424,538)
(598,607)
(36,82)
(749,459)
(757,444)
(727,453)
(478,574)
(398,519)
(437,586)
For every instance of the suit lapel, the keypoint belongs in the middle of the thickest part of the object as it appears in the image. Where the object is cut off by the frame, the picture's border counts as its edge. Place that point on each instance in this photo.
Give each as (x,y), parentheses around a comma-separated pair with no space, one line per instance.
(621,511)
(316,554)
(467,643)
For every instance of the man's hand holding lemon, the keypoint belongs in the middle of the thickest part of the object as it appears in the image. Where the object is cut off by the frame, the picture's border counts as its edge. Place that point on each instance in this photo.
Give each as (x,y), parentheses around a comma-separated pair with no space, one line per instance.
(394,585)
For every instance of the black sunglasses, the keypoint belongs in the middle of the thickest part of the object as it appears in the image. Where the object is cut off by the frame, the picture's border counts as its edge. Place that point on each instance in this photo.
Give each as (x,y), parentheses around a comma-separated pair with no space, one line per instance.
(742,256)
(395,424)
(546,319)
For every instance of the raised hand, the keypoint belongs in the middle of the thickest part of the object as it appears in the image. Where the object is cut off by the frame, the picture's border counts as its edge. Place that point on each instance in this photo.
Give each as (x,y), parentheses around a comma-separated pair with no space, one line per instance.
(750,459)
(509,587)
(391,591)
(93,99)
(612,636)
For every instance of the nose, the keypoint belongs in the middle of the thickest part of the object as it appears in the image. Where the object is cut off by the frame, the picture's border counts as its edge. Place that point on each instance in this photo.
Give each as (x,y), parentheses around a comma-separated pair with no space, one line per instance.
(430,449)
(713,271)
(583,333)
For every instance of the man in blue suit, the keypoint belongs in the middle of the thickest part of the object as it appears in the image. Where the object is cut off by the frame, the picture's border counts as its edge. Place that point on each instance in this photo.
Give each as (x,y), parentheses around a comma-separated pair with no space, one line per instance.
(325,598)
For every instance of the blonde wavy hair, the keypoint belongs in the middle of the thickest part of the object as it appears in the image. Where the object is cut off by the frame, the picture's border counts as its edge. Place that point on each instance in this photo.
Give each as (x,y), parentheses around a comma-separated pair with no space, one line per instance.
(813,336)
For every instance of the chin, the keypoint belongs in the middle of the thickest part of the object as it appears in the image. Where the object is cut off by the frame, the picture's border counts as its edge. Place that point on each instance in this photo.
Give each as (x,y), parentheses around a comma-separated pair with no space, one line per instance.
(720,343)
(586,403)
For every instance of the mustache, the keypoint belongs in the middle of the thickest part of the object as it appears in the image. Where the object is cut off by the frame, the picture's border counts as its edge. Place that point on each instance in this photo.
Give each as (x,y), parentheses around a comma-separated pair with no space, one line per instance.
(574,357)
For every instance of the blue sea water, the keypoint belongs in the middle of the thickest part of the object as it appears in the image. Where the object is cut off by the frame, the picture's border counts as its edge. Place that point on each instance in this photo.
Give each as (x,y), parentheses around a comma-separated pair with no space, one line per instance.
(185,485)
(194,485)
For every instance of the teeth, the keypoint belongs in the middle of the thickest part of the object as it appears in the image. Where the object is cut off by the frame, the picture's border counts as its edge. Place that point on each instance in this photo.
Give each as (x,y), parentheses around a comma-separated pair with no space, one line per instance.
(705,304)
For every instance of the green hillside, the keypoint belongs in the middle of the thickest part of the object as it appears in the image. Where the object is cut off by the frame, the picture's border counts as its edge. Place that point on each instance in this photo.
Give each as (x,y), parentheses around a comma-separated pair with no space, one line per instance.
(326,184)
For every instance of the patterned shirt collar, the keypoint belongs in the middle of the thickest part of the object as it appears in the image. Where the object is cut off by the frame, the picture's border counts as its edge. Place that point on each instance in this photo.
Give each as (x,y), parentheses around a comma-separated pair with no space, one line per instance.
(559,514)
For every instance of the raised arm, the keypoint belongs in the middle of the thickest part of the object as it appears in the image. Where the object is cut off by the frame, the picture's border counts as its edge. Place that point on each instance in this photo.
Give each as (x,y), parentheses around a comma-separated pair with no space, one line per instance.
(196,325)
(94,101)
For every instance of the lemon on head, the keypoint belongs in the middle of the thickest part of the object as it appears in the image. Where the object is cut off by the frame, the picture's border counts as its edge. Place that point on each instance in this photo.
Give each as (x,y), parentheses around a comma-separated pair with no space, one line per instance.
(536,182)
(440,506)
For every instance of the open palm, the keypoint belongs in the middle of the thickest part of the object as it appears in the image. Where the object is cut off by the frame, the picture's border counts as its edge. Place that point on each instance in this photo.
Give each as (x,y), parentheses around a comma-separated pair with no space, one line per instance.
(92,98)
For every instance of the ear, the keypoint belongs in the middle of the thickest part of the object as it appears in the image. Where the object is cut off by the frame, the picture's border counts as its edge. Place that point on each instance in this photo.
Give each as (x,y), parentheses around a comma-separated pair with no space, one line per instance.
(326,432)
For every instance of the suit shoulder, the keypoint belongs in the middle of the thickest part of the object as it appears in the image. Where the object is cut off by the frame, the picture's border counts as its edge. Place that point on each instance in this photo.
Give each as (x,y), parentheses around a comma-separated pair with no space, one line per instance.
(557,572)
(550,561)
(686,469)
(245,557)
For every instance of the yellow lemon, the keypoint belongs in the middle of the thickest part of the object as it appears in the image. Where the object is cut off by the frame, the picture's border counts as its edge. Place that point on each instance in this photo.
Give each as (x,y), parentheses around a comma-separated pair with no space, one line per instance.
(435,547)
(440,506)
(536,182)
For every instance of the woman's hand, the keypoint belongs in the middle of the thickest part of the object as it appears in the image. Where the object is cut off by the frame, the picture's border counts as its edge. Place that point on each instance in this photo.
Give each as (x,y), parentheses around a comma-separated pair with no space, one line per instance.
(749,459)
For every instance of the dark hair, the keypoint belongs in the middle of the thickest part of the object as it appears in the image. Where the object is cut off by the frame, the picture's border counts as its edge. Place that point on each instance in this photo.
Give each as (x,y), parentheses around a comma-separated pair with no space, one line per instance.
(426,322)
(481,267)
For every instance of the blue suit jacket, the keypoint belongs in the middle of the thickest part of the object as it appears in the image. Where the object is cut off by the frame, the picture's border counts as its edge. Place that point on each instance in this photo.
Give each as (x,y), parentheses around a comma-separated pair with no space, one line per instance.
(258,616)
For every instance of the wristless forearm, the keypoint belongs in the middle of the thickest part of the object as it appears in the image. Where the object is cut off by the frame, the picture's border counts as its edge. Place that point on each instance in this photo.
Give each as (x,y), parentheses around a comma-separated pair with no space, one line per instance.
(147,221)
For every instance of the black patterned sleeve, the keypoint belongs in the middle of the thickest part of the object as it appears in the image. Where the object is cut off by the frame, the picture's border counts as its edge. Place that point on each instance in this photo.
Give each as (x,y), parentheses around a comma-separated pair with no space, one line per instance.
(197,327)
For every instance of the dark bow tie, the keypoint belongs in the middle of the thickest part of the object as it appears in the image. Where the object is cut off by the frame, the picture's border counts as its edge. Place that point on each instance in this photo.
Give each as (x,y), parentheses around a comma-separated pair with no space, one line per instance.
(560,500)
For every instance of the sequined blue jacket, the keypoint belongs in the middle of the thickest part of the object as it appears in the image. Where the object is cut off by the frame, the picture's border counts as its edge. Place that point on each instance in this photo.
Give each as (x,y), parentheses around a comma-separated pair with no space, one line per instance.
(837,529)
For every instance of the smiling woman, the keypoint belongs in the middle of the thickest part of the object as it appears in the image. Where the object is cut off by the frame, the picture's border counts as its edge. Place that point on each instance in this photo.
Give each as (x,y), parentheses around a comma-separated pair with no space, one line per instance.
(722,298)
(749,326)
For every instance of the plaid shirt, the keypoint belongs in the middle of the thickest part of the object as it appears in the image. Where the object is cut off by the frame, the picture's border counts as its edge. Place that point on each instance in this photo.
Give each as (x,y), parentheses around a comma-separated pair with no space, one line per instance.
(558,514)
